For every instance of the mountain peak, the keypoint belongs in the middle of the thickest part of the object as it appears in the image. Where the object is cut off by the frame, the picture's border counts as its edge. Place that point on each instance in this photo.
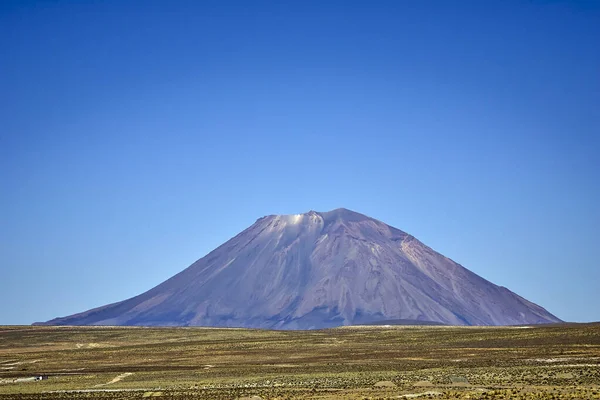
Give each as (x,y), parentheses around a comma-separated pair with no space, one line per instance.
(317,270)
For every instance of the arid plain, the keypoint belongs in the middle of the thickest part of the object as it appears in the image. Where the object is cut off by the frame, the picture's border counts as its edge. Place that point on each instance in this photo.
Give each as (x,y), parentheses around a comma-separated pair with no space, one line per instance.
(549,362)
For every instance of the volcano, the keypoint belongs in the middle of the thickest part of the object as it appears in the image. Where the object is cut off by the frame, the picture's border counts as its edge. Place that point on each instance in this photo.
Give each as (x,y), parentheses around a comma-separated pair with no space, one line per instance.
(319,270)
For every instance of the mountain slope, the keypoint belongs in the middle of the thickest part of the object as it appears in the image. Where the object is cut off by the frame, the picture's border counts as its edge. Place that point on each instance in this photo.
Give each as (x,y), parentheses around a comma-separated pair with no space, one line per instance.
(319,270)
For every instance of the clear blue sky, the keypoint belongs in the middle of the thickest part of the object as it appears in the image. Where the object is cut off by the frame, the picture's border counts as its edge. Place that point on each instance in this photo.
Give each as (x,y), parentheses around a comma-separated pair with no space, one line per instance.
(136,136)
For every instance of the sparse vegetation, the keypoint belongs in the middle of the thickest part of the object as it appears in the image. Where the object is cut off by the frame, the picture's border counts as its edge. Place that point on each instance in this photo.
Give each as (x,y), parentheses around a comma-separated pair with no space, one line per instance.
(547,362)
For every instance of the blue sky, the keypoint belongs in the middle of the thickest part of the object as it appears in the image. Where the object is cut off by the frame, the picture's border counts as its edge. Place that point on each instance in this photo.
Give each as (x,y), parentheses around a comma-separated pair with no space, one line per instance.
(136,136)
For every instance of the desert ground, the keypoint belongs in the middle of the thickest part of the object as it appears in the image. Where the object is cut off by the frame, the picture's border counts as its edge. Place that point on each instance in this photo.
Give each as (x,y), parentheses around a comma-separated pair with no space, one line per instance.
(376,362)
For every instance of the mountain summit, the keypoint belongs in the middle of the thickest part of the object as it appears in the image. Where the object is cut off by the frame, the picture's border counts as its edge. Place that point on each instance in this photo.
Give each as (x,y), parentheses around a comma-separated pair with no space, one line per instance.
(318,270)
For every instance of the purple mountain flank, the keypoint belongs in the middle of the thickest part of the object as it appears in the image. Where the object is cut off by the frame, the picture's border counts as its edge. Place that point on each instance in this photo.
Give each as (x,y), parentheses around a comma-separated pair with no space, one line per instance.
(318,270)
